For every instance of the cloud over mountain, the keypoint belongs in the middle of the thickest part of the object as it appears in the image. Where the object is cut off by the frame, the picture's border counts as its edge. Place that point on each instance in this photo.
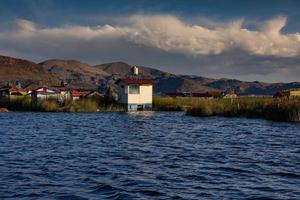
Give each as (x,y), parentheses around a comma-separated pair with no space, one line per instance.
(164,35)
(168,33)
(171,34)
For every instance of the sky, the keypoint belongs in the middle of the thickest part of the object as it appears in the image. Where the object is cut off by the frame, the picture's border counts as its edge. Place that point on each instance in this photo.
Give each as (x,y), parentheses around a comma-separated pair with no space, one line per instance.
(241,39)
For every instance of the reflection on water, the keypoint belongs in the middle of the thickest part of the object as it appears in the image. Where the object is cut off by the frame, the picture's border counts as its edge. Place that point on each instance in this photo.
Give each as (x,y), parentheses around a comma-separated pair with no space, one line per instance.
(146,155)
(140,113)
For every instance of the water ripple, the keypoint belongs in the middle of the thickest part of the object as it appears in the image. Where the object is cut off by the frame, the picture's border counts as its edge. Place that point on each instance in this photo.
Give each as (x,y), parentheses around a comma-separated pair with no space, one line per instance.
(148,155)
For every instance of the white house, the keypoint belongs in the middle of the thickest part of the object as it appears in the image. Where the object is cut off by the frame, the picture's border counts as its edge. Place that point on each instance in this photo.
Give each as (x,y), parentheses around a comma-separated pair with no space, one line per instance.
(44,93)
(135,93)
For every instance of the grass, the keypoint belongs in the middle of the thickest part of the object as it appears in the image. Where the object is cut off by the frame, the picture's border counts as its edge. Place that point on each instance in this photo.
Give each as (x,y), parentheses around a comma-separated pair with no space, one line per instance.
(251,107)
(24,103)
(174,104)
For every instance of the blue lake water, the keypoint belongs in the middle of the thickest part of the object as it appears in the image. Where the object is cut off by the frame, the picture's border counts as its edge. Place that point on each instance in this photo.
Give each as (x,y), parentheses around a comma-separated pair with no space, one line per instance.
(159,155)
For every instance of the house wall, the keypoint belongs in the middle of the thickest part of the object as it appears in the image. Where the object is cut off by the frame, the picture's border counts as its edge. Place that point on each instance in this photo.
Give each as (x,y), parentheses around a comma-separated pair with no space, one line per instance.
(75,98)
(295,93)
(47,96)
(122,94)
(144,97)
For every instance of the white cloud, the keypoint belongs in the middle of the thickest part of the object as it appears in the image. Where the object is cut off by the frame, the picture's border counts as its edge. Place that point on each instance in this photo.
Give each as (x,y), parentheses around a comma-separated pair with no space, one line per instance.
(25,25)
(162,41)
(171,34)
(164,32)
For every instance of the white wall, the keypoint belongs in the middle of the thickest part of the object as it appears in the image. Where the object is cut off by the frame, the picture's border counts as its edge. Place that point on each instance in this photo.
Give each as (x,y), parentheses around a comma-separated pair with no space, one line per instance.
(47,96)
(145,96)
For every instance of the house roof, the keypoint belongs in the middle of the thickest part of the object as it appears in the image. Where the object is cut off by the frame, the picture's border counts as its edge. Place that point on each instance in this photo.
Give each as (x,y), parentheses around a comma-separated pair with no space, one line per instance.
(14,89)
(77,93)
(94,93)
(31,87)
(4,88)
(45,90)
(60,88)
(131,81)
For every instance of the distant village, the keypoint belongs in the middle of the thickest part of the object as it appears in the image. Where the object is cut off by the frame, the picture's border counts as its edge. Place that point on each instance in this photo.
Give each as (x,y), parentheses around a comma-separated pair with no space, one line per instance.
(133,92)
(40,91)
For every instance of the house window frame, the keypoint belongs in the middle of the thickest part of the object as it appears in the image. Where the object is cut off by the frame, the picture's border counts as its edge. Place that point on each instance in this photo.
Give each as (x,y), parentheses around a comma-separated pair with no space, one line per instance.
(134,91)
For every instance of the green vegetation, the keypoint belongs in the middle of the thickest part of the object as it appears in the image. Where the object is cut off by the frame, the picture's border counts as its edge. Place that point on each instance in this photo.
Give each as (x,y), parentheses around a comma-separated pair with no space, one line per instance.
(251,107)
(280,109)
(52,105)
(174,104)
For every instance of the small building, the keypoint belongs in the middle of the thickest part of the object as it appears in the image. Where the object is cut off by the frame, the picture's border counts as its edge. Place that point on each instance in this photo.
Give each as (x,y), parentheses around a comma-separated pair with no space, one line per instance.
(4,91)
(229,95)
(63,93)
(44,93)
(134,92)
(79,94)
(12,91)
(292,93)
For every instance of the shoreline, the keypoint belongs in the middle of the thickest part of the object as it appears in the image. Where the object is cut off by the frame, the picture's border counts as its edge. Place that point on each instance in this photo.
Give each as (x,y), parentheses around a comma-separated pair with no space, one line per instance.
(282,110)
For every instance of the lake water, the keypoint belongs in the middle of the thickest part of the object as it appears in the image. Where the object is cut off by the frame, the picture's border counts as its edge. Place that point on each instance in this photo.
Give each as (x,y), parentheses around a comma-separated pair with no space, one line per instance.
(159,155)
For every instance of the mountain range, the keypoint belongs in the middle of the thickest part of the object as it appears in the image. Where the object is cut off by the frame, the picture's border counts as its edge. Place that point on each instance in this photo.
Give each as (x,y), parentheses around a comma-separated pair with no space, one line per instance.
(85,76)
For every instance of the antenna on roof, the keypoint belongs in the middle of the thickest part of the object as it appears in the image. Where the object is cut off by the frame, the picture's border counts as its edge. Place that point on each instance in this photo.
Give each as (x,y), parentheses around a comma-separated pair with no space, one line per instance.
(135,71)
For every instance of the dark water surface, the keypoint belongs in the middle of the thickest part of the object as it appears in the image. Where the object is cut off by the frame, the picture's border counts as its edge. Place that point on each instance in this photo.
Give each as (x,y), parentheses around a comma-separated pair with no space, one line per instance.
(146,156)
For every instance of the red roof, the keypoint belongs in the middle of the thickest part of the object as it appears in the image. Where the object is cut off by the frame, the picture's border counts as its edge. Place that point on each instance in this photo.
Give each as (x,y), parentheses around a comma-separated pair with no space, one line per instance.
(14,88)
(130,81)
(75,93)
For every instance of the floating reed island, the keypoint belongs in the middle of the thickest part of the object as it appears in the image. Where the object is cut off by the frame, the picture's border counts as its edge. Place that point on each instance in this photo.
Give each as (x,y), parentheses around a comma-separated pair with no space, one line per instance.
(24,103)
(276,109)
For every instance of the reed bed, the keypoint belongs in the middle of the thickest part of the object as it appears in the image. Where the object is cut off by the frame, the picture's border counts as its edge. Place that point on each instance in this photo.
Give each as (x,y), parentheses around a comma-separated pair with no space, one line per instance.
(281,109)
(24,103)
(277,109)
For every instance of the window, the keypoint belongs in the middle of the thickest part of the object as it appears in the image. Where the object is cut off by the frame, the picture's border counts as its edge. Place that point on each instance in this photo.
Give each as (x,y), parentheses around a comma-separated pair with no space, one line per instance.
(134,89)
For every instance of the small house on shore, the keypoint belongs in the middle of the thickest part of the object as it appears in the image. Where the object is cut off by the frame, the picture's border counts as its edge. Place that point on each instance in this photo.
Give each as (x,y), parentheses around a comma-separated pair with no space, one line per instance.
(292,93)
(79,94)
(61,93)
(135,92)
(44,93)
(14,90)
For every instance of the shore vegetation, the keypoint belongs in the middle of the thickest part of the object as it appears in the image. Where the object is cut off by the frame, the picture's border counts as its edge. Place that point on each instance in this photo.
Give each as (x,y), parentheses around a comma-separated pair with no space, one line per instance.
(24,103)
(277,109)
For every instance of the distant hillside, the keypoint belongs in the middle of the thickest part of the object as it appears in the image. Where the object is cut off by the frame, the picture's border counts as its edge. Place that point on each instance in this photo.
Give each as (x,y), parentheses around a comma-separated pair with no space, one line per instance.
(81,75)
(164,82)
(12,69)
(75,73)
(250,88)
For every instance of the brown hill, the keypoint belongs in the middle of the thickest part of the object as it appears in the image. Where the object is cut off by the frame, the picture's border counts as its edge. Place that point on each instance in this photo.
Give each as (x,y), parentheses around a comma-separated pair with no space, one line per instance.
(251,88)
(81,75)
(124,69)
(75,73)
(13,69)
(164,82)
